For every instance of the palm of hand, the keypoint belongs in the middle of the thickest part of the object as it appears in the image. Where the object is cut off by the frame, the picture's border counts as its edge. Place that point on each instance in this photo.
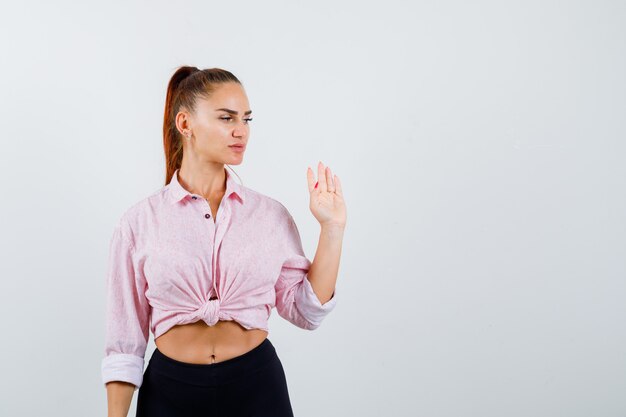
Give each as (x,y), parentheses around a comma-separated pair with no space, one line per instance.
(326,197)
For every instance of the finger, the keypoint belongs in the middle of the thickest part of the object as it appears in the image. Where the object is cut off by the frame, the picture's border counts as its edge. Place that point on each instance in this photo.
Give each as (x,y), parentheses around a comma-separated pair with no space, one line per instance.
(310,179)
(329,176)
(338,189)
(321,177)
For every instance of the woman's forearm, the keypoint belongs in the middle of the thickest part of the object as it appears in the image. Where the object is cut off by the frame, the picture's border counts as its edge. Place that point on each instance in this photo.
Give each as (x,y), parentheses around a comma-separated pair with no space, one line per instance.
(119,397)
(325,266)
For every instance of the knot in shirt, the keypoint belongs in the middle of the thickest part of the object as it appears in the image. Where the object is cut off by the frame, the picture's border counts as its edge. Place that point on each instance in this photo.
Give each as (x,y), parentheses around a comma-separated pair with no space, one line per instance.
(209,312)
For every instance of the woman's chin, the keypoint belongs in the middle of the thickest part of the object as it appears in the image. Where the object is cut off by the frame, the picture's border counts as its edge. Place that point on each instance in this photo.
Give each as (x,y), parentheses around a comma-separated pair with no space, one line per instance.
(236,160)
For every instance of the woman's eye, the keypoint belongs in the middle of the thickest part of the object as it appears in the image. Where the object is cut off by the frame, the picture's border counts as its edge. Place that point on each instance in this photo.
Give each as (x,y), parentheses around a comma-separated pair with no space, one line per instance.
(230,118)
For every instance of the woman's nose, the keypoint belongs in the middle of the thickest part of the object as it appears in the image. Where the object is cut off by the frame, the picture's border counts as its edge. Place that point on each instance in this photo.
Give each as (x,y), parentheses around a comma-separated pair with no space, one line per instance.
(240,130)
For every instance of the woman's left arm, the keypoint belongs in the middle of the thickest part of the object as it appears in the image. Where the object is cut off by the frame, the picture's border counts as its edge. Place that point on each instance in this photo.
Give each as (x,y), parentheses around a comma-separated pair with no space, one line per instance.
(328,206)
(325,266)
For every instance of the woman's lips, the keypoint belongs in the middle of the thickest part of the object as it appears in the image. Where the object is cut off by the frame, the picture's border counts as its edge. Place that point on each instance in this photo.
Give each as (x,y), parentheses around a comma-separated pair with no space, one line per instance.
(237,148)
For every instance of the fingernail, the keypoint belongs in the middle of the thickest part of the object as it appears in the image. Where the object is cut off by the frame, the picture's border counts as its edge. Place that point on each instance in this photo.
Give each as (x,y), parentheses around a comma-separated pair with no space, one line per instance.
(316,184)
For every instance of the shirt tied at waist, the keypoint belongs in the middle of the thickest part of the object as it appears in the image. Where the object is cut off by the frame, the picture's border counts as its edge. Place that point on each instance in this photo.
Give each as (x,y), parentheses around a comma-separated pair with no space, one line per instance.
(209,312)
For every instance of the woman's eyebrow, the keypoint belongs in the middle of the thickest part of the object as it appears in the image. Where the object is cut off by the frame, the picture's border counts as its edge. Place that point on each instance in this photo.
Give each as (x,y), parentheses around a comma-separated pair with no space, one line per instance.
(233,111)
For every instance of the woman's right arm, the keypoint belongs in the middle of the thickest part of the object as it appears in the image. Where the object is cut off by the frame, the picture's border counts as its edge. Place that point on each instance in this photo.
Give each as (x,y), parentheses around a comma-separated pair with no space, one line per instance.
(127,323)
(119,397)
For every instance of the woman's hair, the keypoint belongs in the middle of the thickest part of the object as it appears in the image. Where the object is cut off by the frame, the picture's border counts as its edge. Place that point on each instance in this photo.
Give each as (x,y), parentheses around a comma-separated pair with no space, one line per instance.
(185,87)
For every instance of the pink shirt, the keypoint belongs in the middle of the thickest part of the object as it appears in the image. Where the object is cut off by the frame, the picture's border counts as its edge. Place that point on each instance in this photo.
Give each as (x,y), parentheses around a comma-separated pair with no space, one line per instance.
(170,263)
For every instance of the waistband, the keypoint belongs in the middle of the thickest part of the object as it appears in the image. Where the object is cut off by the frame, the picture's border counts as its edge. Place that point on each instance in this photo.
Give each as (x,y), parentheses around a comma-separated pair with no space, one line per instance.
(214,373)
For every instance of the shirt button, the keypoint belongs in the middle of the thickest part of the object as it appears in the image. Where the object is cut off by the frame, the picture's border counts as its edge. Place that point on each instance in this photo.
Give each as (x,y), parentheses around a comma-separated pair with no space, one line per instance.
(207,215)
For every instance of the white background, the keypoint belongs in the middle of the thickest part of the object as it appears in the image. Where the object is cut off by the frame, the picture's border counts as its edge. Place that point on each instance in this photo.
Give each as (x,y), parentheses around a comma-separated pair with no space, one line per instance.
(481,146)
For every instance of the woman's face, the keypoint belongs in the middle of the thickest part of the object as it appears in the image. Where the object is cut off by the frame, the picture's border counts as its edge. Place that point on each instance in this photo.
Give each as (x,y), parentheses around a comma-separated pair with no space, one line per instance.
(217,124)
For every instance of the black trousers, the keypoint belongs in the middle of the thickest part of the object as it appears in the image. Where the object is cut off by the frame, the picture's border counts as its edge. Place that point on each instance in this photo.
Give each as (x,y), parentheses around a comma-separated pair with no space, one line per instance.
(249,385)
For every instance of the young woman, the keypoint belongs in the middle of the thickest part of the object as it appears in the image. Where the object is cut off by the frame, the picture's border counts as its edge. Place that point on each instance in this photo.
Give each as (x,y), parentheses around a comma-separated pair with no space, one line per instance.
(202,261)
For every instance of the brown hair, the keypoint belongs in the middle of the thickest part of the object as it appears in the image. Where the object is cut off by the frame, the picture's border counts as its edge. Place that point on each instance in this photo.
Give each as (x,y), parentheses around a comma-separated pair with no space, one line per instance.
(185,87)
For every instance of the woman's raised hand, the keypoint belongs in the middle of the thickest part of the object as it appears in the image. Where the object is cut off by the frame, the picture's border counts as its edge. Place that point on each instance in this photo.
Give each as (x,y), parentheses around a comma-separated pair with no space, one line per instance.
(327,204)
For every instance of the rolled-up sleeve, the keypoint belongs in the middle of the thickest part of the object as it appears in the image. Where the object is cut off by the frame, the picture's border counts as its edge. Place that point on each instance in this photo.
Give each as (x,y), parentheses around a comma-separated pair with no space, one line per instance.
(127,312)
(295,299)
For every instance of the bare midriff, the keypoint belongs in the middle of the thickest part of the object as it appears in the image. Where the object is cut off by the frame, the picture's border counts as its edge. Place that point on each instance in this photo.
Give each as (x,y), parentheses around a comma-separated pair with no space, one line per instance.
(200,343)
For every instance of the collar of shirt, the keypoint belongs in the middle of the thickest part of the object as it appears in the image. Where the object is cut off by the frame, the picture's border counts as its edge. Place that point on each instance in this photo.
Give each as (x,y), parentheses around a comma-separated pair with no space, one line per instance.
(177,192)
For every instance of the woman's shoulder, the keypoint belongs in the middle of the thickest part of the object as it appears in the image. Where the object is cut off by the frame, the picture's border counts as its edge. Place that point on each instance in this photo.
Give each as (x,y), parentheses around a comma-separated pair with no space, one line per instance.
(143,206)
(260,201)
